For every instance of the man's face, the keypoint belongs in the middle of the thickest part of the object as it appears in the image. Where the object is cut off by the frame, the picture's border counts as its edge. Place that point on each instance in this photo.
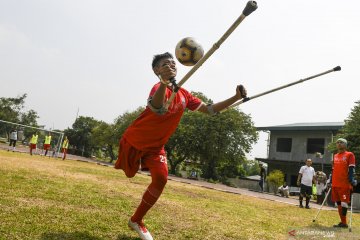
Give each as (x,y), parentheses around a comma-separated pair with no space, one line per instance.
(340,145)
(164,65)
(308,162)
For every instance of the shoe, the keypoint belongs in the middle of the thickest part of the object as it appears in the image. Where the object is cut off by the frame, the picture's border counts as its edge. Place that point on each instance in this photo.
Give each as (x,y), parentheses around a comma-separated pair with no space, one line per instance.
(301,206)
(307,207)
(341,225)
(140,229)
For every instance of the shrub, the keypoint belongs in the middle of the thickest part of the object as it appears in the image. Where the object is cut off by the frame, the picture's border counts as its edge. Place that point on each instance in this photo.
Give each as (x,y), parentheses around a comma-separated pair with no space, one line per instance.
(275,179)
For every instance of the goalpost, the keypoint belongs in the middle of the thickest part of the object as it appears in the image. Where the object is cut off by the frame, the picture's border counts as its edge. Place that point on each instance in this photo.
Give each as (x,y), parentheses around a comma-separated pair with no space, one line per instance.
(22,127)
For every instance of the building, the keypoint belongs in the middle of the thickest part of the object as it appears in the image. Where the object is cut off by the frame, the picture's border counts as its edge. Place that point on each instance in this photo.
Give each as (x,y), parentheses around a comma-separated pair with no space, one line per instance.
(290,145)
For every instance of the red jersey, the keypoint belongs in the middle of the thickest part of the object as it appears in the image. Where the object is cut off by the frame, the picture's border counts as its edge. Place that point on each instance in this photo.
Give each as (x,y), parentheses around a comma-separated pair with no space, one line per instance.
(151,131)
(340,175)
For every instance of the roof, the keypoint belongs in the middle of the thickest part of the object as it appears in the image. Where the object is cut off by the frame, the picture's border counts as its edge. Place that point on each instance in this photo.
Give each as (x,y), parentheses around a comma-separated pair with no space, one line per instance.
(305,126)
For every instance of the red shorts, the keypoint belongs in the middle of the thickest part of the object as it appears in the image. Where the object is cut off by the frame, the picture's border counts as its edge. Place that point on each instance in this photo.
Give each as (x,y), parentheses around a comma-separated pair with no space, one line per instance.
(32,146)
(46,146)
(64,150)
(130,159)
(340,194)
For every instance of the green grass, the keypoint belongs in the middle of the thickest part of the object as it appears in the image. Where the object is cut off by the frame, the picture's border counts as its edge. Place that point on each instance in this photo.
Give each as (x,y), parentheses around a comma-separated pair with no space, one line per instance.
(43,198)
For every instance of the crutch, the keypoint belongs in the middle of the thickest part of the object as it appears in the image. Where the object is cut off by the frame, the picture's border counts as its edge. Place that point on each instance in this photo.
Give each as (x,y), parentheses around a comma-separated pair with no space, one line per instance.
(326,196)
(351,210)
(249,8)
(338,68)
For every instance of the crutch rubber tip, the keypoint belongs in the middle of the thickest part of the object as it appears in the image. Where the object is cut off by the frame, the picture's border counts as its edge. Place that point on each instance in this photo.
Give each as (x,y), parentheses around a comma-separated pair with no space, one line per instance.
(349,229)
(249,8)
(314,220)
(338,68)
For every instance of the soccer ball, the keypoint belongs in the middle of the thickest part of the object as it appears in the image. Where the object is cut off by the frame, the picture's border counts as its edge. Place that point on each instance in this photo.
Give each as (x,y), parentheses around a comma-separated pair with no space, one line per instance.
(188,51)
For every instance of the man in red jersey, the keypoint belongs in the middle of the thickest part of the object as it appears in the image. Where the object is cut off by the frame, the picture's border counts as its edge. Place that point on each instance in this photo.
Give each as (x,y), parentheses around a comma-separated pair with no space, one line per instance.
(143,142)
(343,179)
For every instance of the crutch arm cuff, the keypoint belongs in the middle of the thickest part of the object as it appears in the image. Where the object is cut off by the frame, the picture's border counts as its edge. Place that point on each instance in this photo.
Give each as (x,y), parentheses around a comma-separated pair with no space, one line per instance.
(161,111)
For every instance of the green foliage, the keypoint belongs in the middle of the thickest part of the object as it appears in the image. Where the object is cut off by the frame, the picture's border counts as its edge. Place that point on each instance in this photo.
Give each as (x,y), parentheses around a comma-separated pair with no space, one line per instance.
(80,136)
(351,132)
(12,110)
(123,121)
(251,168)
(104,139)
(218,143)
(275,179)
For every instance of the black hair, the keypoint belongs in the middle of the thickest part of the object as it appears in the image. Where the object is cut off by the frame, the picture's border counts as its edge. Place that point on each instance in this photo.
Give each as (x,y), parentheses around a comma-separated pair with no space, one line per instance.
(159,57)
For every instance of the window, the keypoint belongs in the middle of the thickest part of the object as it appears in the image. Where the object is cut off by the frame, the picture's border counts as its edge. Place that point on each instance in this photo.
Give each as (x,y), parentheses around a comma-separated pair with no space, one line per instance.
(283,145)
(315,145)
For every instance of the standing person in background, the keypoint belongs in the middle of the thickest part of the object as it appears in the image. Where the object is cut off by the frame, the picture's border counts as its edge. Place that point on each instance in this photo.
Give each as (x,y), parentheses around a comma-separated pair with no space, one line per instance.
(342,180)
(305,180)
(47,143)
(54,148)
(13,139)
(33,142)
(64,147)
(262,176)
(320,186)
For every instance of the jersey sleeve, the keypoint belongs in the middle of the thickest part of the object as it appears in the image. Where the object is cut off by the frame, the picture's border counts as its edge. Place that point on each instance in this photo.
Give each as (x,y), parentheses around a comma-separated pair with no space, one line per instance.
(301,170)
(193,103)
(351,160)
(153,90)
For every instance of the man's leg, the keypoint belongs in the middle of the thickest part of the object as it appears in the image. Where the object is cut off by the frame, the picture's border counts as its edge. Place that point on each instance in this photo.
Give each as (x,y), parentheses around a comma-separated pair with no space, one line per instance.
(286,193)
(64,153)
(345,200)
(301,196)
(308,196)
(159,172)
(10,143)
(339,196)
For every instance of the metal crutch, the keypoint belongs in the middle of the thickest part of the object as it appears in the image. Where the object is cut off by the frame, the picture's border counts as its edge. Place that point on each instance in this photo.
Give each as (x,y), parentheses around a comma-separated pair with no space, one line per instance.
(326,196)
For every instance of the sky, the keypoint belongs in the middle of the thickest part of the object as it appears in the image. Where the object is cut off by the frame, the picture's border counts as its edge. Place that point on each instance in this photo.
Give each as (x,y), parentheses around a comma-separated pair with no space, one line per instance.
(93,58)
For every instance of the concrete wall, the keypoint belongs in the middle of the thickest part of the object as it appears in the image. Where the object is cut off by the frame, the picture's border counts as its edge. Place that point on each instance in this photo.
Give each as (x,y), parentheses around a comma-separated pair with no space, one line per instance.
(246,183)
(299,144)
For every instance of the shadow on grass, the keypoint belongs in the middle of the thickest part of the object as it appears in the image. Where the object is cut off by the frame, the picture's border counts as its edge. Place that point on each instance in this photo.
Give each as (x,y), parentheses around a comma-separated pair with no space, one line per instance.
(79,236)
(126,237)
(68,236)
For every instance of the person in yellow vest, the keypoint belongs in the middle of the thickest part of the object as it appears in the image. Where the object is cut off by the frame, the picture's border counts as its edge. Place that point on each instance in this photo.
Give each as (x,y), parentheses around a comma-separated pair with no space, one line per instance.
(47,143)
(33,142)
(64,147)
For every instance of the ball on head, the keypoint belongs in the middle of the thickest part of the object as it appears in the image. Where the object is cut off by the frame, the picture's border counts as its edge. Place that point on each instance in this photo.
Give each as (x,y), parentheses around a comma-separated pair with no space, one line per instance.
(188,51)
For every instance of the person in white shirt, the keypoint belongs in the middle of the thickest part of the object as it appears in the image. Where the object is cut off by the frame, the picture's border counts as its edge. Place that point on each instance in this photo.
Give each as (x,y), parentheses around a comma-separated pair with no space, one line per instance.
(284,190)
(13,139)
(305,180)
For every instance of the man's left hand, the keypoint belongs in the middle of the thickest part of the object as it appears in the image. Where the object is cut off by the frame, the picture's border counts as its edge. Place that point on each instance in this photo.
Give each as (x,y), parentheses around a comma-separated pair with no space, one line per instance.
(241,92)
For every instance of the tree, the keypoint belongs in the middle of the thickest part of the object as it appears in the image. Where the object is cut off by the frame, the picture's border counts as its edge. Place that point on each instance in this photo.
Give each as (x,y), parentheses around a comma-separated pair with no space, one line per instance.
(103,138)
(275,179)
(218,143)
(80,135)
(351,132)
(12,110)
(123,121)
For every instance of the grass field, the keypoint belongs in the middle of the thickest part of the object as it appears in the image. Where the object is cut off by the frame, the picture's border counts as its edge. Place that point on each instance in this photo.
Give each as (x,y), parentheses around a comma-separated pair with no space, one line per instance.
(43,198)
